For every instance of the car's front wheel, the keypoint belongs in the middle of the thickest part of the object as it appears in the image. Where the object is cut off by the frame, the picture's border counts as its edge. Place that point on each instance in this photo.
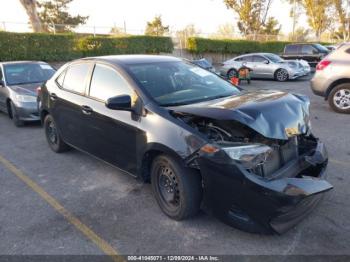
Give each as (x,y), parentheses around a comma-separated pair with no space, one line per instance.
(281,75)
(177,189)
(14,115)
(339,98)
(53,137)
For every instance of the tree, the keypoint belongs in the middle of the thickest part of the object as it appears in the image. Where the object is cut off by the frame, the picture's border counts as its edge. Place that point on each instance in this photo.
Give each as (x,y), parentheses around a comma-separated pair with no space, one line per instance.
(300,35)
(31,9)
(117,31)
(225,31)
(343,19)
(156,27)
(55,17)
(318,13)
(272,27)
(184,34)
(252,14)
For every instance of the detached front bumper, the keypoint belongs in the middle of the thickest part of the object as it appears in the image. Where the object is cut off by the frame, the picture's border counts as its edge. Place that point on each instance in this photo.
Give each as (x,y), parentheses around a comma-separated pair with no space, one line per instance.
(239,197)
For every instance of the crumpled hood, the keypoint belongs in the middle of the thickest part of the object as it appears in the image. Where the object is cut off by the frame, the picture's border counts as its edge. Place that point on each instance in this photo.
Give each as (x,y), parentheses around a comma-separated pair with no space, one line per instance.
(26,89)
(274,114)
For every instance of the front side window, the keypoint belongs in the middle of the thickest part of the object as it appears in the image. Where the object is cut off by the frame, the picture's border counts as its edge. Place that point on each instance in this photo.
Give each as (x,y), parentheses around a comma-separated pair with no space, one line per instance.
(75,78)
(27,73)
(307,49)
(274,58)
(259,59)
(107,83)
(179,83)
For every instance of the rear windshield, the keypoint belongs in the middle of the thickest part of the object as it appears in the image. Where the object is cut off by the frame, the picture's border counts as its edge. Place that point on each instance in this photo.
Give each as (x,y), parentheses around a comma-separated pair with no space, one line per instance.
(27,73)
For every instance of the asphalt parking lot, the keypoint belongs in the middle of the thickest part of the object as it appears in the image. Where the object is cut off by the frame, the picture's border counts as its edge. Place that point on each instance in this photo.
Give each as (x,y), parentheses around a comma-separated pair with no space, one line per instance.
(122,214)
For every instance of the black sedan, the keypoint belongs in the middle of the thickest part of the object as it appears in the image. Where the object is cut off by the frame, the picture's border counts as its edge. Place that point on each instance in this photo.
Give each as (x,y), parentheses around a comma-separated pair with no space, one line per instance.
(247,157)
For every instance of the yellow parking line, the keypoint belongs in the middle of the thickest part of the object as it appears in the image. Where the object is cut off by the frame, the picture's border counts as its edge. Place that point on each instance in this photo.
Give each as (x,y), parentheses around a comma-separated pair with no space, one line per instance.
(102,244)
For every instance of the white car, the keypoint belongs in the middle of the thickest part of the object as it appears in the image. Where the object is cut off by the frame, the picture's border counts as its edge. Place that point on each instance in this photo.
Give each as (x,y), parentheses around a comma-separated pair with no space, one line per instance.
(266,65)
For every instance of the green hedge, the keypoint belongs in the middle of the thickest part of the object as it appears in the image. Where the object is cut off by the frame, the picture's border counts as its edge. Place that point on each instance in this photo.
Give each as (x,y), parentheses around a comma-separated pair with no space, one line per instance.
(90,46)
(63,47)
(203,45)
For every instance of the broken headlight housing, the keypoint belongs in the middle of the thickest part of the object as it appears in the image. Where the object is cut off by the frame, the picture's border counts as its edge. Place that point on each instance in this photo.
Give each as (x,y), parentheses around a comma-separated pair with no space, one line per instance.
(250,156)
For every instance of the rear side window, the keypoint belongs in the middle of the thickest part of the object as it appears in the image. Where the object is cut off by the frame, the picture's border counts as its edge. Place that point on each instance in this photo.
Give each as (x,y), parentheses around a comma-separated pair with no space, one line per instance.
(291,49)
(107,83)
(347,50)
(75,78)
(245,59)
(307,49)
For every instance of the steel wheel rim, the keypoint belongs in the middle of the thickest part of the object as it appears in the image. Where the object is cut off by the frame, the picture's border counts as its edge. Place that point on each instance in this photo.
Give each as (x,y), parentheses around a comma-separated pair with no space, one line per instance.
(231,74)
(168,187)
(341,99)
(52,133)
(282,75)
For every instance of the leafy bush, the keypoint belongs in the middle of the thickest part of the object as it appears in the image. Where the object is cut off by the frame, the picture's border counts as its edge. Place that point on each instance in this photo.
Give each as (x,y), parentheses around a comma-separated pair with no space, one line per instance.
(63,47)
(33,46)
(124,45)
(227,46)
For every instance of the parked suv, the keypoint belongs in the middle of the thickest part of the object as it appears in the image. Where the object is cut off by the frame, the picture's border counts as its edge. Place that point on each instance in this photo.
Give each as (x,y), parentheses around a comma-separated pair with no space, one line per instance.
(332,79)
(312,53)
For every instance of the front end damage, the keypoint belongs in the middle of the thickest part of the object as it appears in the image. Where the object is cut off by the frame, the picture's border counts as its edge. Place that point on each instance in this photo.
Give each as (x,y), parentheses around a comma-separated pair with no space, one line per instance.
(254,182)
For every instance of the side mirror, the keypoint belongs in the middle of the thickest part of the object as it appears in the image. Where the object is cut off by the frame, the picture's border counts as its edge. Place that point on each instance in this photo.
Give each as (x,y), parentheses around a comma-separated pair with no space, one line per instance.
(266,62)
(122,102)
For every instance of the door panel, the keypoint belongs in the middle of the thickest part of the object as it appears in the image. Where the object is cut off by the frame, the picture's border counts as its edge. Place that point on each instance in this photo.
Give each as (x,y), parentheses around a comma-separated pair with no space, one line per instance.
(112,135)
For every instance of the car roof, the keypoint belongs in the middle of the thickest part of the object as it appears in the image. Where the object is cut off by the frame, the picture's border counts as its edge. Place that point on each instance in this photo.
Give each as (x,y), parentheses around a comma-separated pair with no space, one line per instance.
(21,62)
(250,54)
(132,59)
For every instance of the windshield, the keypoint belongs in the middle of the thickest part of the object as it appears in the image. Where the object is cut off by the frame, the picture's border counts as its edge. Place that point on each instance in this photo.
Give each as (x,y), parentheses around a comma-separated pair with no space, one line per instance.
(180,83)
(273,58)
(26,73)
(321,48)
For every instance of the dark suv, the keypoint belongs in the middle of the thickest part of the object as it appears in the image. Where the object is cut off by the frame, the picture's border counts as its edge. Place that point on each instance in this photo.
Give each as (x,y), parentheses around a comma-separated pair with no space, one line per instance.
(312,53)
(249,157)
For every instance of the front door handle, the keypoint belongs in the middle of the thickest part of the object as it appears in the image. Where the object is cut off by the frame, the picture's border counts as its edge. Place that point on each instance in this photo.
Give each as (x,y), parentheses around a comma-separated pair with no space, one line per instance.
(53,96)
(86,110)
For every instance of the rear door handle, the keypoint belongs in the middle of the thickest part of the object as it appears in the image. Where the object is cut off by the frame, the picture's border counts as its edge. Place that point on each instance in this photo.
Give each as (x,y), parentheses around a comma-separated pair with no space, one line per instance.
(53,96)
(86,110)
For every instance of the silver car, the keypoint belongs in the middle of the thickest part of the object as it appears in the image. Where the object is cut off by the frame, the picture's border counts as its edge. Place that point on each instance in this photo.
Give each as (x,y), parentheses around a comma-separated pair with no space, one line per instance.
(266,65)
(332,79)
(18,84)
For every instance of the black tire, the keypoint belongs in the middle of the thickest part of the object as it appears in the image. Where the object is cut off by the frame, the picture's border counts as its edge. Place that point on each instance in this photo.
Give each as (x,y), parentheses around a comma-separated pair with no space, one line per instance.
(231,73)
(339,98)
(13,114)
(185,198)
(281,75)
(53,137)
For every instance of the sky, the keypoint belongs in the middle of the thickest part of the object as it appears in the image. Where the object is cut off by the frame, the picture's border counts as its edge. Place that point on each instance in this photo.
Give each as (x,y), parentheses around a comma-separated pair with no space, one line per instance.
(206,15)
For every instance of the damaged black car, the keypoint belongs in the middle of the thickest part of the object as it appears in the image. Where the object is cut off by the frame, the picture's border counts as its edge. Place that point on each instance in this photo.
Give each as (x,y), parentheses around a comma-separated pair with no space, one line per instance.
(248,158)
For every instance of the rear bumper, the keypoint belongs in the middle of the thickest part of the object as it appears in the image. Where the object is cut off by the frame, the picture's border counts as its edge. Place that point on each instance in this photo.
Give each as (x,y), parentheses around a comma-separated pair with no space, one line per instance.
(319,85)
(274,205)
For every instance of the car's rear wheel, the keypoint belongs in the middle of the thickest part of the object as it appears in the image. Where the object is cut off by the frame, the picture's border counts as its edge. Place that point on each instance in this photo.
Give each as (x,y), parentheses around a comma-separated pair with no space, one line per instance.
(14,115)
(281,75)
(231,73)
(177,189)
(53,137)
(339,98)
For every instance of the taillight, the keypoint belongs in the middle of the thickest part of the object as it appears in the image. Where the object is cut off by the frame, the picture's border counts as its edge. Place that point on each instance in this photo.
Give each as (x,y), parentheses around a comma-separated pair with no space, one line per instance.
(38,90)
(322,65)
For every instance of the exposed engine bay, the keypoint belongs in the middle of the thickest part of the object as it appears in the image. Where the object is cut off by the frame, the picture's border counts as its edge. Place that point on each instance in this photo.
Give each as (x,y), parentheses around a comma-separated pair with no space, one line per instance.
(226,133)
